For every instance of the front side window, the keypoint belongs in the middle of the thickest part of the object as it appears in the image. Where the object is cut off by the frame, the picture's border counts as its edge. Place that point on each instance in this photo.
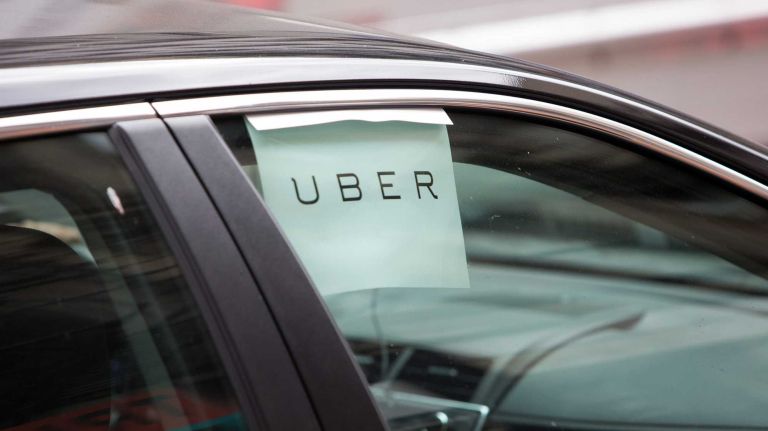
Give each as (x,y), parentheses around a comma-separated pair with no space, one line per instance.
(98,329)
(499,272)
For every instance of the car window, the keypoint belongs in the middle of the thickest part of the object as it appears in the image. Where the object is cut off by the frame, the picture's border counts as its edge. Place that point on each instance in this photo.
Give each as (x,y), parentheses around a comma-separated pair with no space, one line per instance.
(550,276)
(98,329)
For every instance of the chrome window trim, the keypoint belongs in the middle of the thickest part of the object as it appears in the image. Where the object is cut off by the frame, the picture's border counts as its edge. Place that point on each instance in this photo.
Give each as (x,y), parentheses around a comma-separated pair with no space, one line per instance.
(351,99)
(196,73)
(43,123)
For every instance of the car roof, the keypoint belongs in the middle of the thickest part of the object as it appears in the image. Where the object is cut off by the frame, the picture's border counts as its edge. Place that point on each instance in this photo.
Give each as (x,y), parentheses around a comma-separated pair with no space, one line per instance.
(43,51)
(44,32)
(51,32)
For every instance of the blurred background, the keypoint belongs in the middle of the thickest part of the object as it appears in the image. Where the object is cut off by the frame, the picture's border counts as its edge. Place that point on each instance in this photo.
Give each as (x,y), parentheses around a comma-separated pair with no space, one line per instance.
(707,58)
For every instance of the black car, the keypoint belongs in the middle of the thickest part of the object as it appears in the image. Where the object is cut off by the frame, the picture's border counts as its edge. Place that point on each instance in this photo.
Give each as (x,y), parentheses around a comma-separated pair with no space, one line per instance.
(318,228)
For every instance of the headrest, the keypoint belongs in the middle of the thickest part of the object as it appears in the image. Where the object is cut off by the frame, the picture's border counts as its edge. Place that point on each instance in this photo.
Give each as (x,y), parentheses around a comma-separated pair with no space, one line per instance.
(28,255)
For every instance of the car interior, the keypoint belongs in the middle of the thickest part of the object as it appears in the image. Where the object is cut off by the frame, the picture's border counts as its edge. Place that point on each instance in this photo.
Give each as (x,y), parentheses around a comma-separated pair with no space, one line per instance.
(100,331)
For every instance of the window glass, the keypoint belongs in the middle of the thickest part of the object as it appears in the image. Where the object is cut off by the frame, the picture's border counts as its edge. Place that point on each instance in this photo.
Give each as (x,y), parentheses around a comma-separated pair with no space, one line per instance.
(98,329)
(607,287)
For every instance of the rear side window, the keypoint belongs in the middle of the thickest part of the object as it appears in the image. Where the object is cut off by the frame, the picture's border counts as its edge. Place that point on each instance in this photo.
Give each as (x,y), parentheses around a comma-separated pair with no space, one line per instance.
(597,285)
(98,329)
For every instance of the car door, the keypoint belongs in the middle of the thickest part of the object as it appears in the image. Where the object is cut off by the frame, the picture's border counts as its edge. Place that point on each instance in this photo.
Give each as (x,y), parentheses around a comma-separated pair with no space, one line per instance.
(494,261)
(125,303)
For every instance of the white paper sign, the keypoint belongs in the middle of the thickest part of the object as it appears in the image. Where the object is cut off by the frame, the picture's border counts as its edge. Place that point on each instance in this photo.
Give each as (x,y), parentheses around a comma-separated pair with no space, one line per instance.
(364,204)
(295,119)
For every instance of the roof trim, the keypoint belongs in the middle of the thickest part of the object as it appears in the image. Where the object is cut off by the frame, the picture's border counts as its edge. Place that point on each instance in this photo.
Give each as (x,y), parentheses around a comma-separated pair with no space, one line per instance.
(73,119)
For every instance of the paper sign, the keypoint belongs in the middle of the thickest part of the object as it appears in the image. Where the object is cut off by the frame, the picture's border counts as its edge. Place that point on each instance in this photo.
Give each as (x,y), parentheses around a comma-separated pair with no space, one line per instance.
(295,119)
(365,204)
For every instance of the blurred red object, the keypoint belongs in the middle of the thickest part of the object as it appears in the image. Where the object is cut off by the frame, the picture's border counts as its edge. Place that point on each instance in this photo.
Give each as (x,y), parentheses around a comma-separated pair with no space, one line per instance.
(258,4)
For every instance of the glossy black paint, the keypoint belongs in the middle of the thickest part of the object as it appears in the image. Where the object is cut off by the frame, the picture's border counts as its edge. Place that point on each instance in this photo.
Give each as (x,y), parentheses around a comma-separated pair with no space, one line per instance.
(271,395)
(330,373)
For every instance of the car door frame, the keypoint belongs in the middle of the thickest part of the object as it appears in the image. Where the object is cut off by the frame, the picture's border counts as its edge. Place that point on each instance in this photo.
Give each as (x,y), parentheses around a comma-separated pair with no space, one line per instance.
(350,391)
(333,380)
(271,396)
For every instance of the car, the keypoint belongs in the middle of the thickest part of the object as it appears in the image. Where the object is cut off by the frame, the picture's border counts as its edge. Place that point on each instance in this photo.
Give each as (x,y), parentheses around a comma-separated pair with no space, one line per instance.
(310,227)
